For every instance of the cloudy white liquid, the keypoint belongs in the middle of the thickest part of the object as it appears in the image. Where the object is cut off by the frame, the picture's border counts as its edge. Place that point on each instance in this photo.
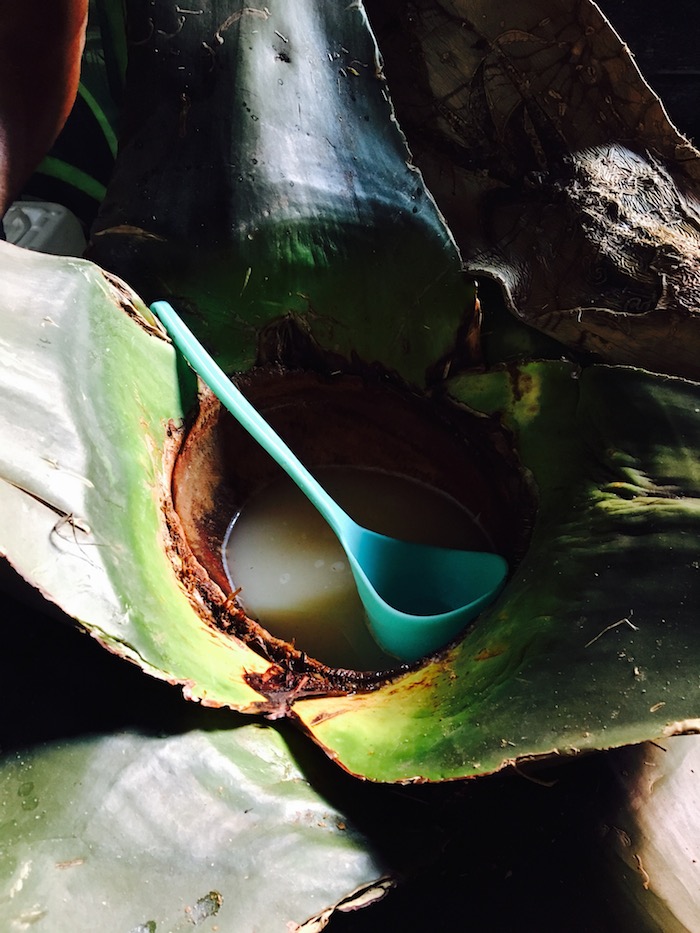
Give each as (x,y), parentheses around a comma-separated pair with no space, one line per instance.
(294,575)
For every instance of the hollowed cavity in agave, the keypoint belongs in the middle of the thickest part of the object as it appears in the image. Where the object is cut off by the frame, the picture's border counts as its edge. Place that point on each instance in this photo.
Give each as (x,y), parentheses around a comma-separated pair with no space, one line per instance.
(342,421)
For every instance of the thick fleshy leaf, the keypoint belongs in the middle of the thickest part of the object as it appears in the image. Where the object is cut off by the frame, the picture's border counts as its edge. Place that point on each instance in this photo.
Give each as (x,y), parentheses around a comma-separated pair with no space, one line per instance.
(593,642)
(556,168)
(89,392)
(211,829)
(650,835)
(265,188)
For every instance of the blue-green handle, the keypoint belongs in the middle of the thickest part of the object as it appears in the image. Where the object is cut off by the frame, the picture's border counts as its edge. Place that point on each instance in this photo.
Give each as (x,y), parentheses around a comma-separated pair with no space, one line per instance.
(212,374)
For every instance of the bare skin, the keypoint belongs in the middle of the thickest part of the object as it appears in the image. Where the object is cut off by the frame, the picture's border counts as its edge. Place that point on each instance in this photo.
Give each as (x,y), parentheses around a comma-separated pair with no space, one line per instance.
(41,42)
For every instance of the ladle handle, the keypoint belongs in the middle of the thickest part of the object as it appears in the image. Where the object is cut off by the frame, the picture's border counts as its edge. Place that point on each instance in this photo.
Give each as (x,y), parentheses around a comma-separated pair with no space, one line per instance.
(212,374)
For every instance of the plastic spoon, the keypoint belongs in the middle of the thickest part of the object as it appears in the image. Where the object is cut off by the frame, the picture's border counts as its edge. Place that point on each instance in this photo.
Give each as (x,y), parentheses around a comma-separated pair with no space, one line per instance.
(417,597)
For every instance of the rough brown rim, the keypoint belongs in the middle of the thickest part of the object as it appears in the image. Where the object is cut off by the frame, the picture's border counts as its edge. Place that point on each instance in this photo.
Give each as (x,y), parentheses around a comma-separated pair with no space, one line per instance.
(216,466)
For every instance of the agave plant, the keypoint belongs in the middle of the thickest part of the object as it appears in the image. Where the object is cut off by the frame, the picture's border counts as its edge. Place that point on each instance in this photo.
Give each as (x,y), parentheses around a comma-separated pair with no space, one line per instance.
(265,187)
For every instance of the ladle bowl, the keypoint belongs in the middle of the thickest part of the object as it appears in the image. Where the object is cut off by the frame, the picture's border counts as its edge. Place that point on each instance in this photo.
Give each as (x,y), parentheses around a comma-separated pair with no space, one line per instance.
(417,597)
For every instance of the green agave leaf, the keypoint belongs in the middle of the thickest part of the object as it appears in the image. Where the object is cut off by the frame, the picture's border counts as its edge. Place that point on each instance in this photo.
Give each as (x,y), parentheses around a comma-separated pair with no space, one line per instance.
(89,390)
(264,182)
(214,829)
(593,642)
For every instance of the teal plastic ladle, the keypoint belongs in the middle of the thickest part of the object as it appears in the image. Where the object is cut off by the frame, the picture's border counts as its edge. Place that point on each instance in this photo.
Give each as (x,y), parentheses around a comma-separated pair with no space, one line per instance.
(417,597)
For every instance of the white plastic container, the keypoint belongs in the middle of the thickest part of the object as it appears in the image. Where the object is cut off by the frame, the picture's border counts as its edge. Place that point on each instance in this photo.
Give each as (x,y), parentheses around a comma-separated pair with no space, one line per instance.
(44,227)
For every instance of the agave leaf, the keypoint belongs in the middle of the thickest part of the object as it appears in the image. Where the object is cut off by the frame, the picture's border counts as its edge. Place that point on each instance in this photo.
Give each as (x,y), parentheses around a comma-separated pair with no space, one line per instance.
(263,182)
(592,643)
(89,391)
(138,833)
(556,168)
(650,833)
